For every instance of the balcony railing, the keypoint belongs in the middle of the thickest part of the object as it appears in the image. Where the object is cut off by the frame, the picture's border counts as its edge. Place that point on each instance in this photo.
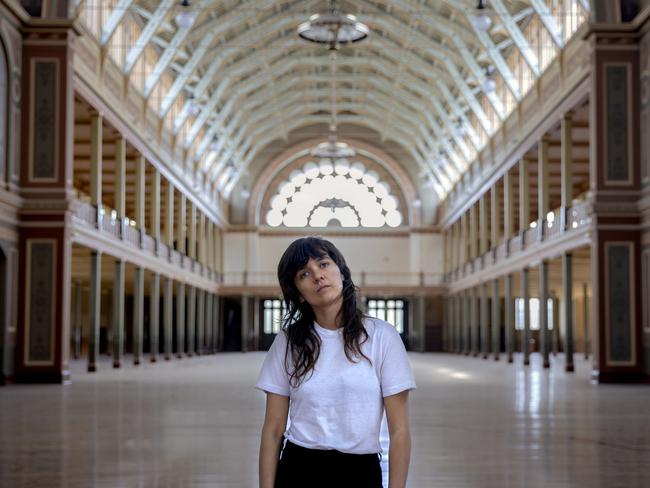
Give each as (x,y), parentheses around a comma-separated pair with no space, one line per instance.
(132,235)
(112,226)
(578,216)
(86,213)
(148,243)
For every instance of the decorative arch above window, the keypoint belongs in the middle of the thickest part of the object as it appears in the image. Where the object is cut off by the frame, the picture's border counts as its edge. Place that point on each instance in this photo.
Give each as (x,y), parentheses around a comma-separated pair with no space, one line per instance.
(334,194)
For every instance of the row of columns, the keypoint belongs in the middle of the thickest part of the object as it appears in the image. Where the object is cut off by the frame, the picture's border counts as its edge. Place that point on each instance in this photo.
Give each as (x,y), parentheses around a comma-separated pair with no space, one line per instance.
(472,235)
(203,235)
(196,317)
(468,313)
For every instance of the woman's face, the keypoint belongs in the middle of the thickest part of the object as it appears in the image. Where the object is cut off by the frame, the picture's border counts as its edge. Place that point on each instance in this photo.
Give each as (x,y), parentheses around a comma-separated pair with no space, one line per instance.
(320,282)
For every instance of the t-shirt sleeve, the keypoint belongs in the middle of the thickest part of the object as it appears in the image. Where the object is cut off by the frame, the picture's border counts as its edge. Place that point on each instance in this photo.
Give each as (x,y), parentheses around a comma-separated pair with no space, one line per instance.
(273,377)
(396,373)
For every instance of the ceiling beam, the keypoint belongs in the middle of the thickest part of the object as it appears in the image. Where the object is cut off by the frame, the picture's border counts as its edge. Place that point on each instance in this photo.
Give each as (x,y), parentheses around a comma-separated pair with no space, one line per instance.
(145,36)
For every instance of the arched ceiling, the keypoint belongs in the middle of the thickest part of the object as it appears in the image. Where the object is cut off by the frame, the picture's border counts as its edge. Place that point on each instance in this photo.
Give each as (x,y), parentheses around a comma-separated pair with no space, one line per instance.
(413,82)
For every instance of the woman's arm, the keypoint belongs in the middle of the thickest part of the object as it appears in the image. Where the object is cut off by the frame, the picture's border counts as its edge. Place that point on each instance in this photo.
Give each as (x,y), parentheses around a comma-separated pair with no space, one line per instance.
(399,454)
(275,422)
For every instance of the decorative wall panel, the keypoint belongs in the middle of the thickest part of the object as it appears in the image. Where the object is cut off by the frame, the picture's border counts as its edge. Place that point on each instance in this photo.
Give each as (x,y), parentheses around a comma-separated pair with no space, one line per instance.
(645,280)
(41,255)
(44,120)
(620,302)
(645,108)
(617,123)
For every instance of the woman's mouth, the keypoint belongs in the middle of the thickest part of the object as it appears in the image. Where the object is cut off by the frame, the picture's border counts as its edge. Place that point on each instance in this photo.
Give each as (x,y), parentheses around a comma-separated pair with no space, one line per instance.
(322,288)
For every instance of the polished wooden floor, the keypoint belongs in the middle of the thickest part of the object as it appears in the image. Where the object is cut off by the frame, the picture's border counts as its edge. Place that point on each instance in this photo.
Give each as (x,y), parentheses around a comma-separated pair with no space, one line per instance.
(196,422)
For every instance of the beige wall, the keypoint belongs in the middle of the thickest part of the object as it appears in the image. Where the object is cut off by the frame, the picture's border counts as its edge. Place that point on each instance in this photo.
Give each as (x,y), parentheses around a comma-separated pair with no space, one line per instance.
(373,254)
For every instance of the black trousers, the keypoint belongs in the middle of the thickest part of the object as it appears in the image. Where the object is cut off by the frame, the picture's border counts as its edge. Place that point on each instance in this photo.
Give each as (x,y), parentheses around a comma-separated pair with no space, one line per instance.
(300,467)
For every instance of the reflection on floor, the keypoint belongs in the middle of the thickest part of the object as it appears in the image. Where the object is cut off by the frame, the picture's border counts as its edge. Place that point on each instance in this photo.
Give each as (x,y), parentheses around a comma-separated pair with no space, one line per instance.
(196,422)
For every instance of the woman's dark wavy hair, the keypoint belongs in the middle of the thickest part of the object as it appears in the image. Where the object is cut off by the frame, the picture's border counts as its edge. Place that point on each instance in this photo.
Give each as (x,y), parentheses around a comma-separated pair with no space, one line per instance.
(302,339)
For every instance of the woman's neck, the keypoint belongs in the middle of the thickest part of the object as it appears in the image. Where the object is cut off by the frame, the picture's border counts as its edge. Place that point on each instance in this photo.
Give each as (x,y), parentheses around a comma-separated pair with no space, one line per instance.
(329,317)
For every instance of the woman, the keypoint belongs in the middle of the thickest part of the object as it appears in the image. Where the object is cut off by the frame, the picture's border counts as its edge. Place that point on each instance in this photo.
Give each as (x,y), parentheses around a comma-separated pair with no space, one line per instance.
(338,370)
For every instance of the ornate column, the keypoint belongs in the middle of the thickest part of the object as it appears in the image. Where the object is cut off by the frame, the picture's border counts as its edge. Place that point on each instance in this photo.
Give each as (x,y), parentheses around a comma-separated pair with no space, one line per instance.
(467,321)
(509,316)
(169,216)
(209,249)
(46,171)
(77,320)
(192,229)
(484,334)
(118,314)
(154,316)
(256,323)
(180,319)
(201,238)
(542,187)
(168,307)
(216,319)
(138,314)
(474,321)
(94,308)
(96,141)
(191,321)
(154,221)
(473,233)
(245,309)
(118,288)
(180,225)
(544,338)
(524,199)
(218,323)
(200,322)
(496,319)
(567,286)
(508,205)
(615,184)
(483,225)
(208,322)
(495,223)
(463,254)
(140,192)
(566,170)
(525,296)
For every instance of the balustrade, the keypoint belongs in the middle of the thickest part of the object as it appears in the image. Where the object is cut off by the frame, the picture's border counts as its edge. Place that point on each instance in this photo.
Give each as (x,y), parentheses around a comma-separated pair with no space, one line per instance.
(132,235)
(85,212)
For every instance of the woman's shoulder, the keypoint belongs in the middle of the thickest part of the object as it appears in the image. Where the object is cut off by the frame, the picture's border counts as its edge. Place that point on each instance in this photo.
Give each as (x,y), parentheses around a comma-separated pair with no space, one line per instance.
(378,327)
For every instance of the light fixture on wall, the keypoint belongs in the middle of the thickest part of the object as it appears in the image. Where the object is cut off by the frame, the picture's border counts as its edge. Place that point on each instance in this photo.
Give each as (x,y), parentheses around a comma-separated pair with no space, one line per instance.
(185,17)
(333,28)
(482,20)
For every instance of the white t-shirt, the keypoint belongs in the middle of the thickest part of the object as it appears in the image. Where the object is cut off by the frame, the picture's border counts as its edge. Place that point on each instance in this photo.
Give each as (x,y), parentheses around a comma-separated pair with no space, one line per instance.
(341,405)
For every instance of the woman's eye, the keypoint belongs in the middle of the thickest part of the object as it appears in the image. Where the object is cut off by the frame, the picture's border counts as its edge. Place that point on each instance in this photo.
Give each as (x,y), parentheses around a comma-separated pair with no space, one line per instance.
(322,265)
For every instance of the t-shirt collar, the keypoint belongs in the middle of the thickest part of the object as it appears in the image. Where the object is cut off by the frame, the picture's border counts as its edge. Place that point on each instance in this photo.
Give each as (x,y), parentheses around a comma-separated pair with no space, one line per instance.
(327,332)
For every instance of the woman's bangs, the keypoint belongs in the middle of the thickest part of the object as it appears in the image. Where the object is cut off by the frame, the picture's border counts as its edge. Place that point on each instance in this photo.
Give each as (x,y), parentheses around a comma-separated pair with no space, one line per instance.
(305,249)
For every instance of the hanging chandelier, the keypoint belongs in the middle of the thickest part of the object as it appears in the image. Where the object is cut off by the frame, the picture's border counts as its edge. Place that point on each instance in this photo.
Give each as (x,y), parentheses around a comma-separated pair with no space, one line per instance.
(334,29)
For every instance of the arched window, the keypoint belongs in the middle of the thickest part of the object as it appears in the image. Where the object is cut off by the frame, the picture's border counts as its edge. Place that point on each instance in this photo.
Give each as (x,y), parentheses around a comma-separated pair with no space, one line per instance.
(334,194)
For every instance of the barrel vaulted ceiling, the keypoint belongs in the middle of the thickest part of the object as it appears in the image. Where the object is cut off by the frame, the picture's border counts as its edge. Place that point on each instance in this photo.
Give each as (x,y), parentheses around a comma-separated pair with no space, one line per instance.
(238,79)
